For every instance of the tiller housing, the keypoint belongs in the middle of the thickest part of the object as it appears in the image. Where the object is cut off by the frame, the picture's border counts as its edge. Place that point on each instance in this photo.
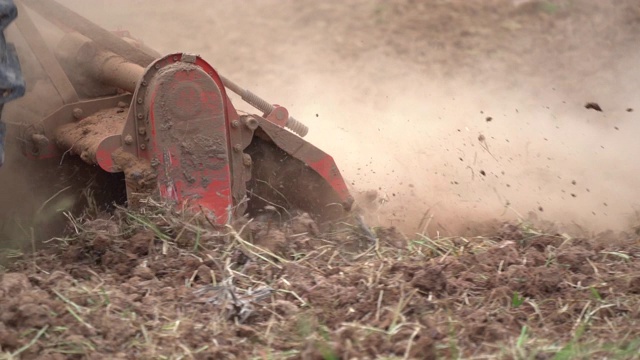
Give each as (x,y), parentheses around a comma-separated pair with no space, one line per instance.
(165,122)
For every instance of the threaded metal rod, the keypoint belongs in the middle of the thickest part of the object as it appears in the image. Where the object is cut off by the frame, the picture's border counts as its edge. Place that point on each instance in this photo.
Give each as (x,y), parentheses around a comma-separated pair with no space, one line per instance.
(262,105)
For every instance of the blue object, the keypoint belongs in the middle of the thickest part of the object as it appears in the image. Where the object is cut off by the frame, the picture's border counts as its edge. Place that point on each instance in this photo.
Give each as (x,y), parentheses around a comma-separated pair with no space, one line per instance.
(12,85)
(8,13)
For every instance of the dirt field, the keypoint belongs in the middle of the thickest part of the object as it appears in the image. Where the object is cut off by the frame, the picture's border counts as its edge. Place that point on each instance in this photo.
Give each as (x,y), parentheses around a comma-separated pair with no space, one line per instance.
(503,212)
(162,286)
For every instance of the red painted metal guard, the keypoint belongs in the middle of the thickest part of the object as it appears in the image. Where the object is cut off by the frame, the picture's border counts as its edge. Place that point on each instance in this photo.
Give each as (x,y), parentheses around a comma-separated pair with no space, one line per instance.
(182,125)
(188,141)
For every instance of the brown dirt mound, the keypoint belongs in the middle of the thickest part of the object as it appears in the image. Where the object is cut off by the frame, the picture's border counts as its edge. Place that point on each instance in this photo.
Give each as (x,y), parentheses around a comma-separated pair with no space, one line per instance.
(164,284)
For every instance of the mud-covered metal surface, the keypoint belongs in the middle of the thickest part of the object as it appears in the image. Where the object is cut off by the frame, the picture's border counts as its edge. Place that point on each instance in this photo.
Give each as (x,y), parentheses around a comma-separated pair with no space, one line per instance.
(83,137)
(177,123)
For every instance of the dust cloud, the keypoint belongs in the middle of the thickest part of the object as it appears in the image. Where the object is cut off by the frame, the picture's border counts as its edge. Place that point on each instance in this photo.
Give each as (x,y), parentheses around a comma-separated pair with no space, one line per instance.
(545,155)
(436,130)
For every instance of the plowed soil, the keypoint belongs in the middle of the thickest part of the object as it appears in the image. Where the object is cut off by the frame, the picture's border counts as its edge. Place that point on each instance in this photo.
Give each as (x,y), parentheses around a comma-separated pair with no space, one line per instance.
(464,283)
(167,287)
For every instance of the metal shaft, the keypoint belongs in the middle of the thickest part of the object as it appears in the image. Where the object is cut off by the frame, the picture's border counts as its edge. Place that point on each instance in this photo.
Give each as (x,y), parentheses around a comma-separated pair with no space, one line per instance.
(262,105)
(105,66)
(60,14)
(104,39)
(118,72)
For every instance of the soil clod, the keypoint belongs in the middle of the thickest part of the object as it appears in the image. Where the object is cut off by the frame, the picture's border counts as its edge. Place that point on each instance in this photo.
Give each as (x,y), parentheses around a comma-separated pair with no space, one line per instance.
(593,106)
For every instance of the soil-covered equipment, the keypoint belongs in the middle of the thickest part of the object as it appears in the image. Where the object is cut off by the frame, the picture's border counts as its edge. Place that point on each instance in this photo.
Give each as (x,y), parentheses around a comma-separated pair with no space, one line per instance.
(157,125)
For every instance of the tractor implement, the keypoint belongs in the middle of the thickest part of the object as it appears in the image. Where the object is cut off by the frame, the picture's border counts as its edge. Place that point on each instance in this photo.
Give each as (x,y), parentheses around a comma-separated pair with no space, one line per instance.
(164,122)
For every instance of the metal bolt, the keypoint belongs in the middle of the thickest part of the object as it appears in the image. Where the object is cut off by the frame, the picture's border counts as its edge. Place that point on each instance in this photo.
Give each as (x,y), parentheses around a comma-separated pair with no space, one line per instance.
(128,140)
(40,140)
(77,113)
(237,148)
(235,124)
(139,100)
(157,66)
(140,116)
(246,160)
(143,146)
(144,83)
(175,58)
(280,114)
(142,131)
(251,123)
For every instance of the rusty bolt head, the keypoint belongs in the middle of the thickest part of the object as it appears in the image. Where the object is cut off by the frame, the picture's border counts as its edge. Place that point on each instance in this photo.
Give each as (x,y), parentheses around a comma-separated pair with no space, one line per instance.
(246,160)
(143,147)
(128,139)
(157,66)
(280,114)
(144,83)
(237,148)
(142,131)
(139,100)
(140,116)
(235,124)
(77,113)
